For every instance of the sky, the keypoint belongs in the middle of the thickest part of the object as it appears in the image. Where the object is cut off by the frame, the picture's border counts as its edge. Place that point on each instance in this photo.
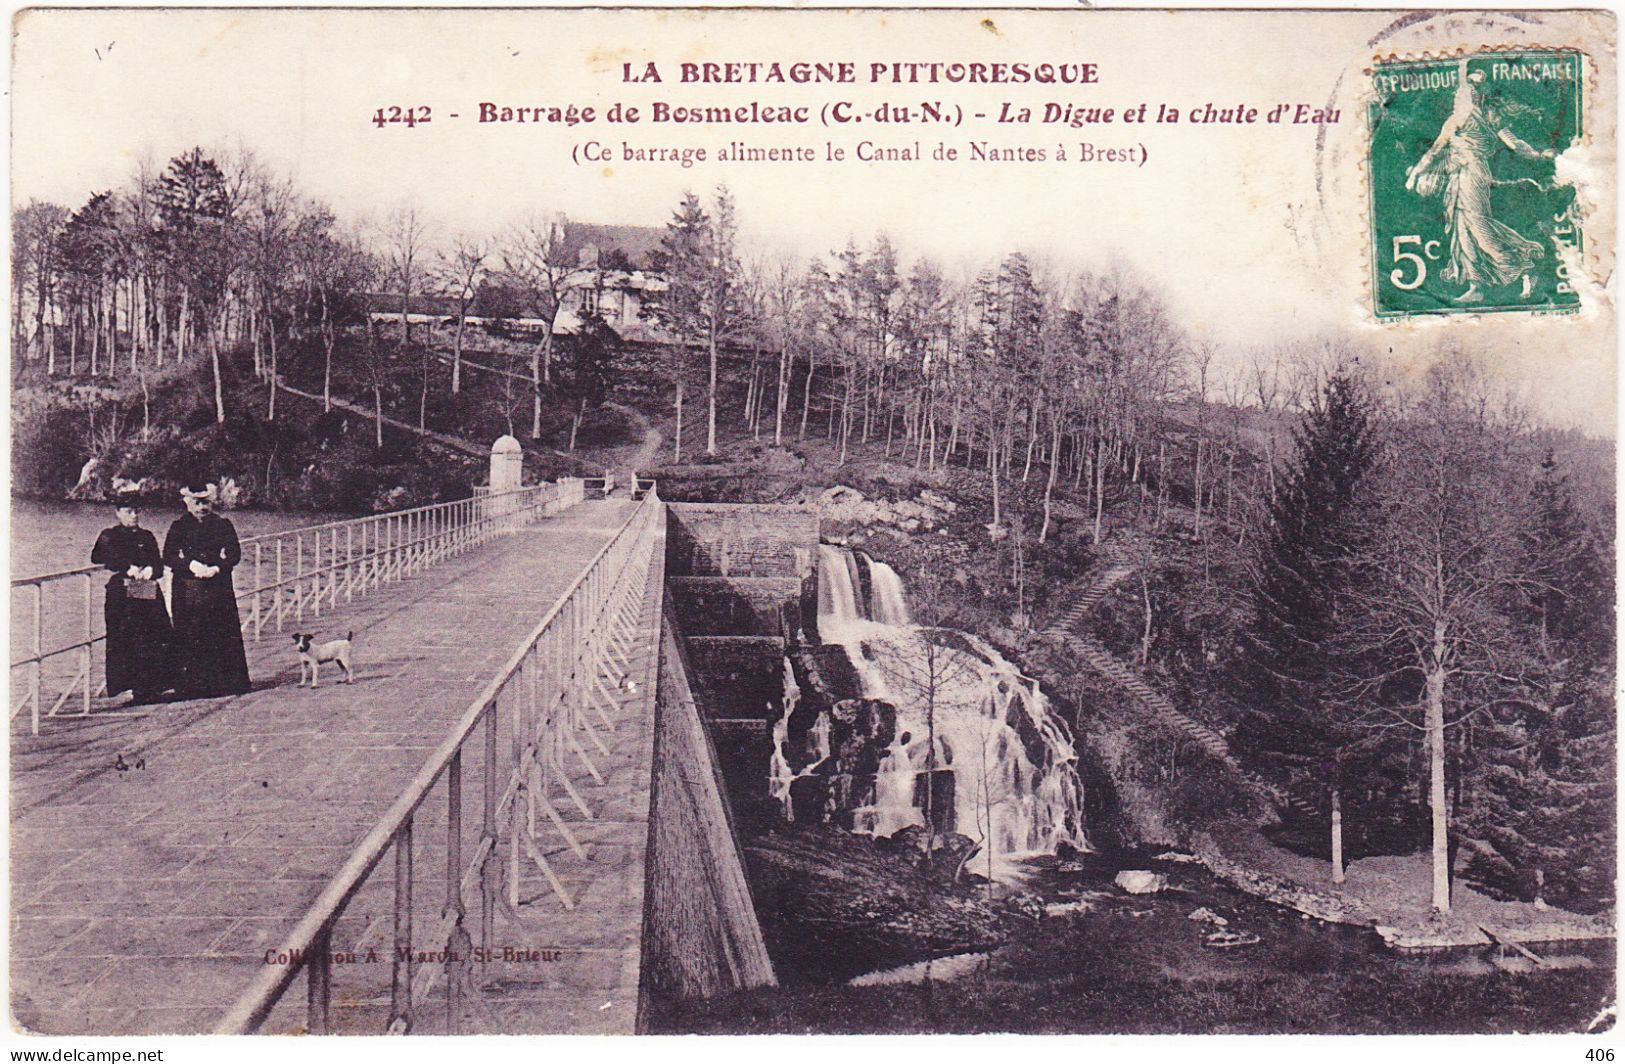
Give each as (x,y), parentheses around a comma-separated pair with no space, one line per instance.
(1254,234)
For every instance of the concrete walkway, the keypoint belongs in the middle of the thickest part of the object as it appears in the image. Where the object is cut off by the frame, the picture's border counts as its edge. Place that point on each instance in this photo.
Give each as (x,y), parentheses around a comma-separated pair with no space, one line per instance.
(155,859)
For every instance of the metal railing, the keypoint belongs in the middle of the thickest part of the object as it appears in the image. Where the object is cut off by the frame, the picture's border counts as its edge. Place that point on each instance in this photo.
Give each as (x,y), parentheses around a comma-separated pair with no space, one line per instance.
(529,731)
(282,576)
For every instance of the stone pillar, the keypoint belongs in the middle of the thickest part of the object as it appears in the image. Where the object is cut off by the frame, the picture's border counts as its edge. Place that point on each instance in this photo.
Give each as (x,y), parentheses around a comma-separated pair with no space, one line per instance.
(507,465)
(507,470)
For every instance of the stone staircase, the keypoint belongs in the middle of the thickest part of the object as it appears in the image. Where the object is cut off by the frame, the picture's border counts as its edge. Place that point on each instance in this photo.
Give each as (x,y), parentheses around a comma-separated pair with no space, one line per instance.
(1069,634)
(1072,618)
(1068,631)
(1104,662)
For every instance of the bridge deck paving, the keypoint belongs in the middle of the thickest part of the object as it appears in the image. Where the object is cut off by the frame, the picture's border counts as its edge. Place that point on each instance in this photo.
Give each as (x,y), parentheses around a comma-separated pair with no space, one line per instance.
(143,900)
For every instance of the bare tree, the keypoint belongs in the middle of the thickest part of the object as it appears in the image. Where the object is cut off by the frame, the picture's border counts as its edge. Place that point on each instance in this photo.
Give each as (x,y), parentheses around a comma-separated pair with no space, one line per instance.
(35,232)
(270,221)
(405,238)
(458,273)
(335,270)
(537,254)
(1427,617)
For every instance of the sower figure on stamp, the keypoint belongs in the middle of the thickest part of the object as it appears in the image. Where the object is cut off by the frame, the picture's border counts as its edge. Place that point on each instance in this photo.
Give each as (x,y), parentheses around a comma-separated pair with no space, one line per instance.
(1483,251)
(202,550)
(138,632)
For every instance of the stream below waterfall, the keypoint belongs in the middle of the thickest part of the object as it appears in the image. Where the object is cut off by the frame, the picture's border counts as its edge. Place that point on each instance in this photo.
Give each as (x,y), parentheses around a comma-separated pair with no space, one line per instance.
(1073,953)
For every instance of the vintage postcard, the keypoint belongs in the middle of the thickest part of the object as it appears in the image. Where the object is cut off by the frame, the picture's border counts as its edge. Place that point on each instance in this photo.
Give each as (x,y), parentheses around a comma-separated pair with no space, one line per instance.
(843,520)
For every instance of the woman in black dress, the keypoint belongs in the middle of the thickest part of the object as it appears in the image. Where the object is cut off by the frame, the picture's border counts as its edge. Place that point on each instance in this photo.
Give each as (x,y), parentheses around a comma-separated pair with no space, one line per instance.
(202,550)
(138,632)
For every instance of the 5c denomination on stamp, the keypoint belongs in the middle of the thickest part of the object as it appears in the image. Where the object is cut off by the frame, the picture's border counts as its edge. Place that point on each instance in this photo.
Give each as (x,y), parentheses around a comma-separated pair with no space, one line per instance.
(1468,211)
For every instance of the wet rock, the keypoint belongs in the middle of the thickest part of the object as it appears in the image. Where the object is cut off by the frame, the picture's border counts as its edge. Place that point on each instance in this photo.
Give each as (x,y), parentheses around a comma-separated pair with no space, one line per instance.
(1065,851)
(836,906)
(1027,904)
(808,799)
(861,729)
(909,838)
(952,850)
(1067,908)
(939,970)
(1141,882)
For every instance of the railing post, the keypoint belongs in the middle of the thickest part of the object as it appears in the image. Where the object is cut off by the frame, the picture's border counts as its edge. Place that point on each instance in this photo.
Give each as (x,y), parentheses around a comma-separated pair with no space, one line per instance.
(349,562)
(488,831)
(454,886)
(257,582)
(39,652)
(319,981)
(316,574)
(400,993)
(277,598)
(85,652)
(517,811)
(454,831)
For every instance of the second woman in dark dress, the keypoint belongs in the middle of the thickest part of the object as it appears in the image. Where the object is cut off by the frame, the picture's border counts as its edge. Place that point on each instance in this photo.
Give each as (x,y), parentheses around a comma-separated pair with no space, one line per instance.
(202,550)
(138,632)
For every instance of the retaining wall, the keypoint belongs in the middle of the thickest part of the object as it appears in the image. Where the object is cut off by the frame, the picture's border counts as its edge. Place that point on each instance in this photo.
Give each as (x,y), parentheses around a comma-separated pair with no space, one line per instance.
(700,933)
(741,540)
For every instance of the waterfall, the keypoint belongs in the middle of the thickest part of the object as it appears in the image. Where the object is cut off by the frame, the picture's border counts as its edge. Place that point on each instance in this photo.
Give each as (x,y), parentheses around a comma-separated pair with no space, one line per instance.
(961,710)
(780,774)
(837,589)
(887,591)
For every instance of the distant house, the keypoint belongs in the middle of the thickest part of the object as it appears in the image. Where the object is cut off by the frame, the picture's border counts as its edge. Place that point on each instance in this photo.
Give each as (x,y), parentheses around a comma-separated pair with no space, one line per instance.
(613,271)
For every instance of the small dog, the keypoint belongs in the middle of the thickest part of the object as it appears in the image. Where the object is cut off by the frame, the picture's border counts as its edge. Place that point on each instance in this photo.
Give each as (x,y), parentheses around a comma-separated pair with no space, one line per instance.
(335,650)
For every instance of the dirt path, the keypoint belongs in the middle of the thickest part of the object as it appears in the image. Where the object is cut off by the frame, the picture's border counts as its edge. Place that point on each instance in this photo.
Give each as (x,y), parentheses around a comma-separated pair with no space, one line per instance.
(454,442)
(643,457)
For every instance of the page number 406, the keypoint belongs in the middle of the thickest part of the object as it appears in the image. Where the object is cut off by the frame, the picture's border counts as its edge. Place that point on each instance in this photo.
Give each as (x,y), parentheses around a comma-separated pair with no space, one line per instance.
(1600,1054)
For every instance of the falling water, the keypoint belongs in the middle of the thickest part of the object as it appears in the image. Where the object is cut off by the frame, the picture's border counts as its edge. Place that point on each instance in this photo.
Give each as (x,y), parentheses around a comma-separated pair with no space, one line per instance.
(1016,788)
(887,592)
(780,774)
(837,586)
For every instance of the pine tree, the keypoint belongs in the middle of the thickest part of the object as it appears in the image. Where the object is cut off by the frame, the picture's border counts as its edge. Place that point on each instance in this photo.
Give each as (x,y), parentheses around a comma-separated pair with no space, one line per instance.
(1300,573)
(679,308)
(588,381)
(721,297)
(1545,794)
(195,212)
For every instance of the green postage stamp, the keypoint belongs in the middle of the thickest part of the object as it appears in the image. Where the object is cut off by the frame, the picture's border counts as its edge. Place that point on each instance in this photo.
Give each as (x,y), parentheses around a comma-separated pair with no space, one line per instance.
(1469,212)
